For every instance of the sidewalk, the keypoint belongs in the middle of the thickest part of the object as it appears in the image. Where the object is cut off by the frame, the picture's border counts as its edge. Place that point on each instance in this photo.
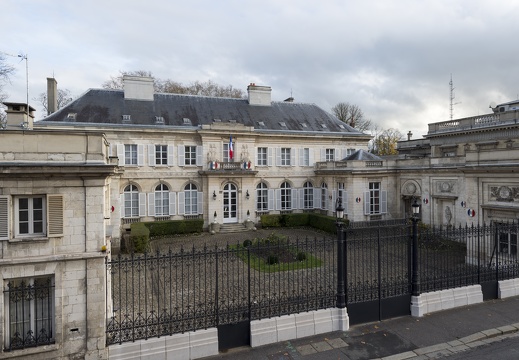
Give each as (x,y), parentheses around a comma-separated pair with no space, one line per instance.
(432,336)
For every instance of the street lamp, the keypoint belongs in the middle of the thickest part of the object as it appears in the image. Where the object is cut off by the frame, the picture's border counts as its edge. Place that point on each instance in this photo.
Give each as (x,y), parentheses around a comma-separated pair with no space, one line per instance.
(415,279)
(341,268)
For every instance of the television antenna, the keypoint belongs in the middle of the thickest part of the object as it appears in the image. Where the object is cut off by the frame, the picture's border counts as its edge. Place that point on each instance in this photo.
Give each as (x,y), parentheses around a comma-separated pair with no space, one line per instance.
(452,103)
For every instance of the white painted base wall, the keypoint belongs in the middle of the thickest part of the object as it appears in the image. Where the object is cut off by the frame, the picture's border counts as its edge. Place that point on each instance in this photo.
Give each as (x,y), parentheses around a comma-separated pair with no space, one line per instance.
(445,299)
(508,288)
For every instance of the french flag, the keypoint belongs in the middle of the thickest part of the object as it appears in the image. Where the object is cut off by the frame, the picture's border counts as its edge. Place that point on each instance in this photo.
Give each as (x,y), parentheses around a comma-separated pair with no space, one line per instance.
(231,150)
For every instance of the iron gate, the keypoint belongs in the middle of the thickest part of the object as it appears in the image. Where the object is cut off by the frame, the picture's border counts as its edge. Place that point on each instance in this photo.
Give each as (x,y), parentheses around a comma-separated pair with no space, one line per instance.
(378,282)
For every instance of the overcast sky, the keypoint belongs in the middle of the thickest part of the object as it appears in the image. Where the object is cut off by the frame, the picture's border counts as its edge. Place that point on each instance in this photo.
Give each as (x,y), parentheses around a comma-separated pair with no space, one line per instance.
(393,58)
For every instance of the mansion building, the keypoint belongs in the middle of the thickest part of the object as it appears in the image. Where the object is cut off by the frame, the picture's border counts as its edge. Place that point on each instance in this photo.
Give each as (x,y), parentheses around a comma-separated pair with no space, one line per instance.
(72,183)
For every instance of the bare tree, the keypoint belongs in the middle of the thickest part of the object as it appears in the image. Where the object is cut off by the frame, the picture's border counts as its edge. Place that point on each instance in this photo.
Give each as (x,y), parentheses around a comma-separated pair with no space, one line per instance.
(64,98)
(352,115)
(208,88)
(385,142)
(5,72)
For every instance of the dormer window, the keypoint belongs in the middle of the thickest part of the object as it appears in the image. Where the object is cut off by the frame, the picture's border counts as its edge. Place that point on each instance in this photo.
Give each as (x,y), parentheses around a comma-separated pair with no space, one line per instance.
(217,120)
(324,126)
(187,121)
(282,124)
(127,118)
(232,121)
(303,125)
(71,116)
(342,126)
(261,123)
(159,120)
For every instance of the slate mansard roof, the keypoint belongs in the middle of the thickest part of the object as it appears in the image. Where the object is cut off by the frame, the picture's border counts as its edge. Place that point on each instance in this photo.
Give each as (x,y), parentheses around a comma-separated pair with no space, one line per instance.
(109,107)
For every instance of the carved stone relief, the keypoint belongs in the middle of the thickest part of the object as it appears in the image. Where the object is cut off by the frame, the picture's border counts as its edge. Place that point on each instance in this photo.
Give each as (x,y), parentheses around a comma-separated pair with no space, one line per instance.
(504,193)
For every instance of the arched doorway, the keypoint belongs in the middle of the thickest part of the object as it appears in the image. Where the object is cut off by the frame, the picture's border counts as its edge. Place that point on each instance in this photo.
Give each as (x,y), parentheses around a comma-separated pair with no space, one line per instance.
(230,204)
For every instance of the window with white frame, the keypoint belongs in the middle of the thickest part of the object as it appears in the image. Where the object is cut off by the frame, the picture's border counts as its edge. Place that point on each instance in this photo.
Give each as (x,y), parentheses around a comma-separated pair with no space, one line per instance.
(286,196)
(262,197)
(190,199)
(329,155)
(130,154)
(324,196)
(29,310)
(285,157)
(190,155)
(161,200)
(161,155)
(131,201)
(375,199)
(30,215)
(262,154)
(308,195)
(507,237)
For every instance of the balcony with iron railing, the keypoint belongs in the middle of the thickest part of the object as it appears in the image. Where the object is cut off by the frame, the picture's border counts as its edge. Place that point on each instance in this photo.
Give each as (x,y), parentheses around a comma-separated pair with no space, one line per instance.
(475,122)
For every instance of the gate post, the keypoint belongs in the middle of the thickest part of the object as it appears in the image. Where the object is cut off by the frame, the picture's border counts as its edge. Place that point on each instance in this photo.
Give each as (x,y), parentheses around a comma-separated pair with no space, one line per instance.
(340,319)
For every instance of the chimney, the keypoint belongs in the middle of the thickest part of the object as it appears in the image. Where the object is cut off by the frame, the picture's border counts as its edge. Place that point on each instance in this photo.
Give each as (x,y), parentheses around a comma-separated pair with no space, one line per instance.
(409,135)
(52,96)
(138,88)
(259,95)
(17,116)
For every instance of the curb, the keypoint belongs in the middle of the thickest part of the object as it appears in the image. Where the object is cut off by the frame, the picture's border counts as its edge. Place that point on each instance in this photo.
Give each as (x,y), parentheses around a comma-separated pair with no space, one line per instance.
(452,347)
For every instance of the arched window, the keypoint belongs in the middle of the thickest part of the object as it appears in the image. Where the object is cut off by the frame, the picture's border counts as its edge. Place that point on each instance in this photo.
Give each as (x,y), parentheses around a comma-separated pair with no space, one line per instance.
(286,196)
(308,195)
(161,200)
(131,201)
(262,197)
(324,196)
(191,200)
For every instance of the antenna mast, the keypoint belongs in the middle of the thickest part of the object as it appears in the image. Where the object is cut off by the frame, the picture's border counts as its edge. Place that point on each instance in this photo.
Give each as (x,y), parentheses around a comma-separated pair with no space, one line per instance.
(452,103)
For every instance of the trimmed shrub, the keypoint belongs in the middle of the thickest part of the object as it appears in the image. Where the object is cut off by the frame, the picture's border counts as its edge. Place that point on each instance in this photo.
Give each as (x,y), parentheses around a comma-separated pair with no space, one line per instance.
(174,227)
(270,221)
(247,243)
(139,238)
(301,256)
(272,259)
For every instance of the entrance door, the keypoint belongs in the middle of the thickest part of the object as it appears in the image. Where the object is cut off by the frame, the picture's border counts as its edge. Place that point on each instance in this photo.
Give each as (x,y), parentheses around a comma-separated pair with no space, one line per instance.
(230,198)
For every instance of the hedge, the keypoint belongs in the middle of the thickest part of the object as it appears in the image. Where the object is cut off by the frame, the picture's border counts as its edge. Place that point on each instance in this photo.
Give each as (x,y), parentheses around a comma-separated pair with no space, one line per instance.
(174,227)
(139,238)
(318,221)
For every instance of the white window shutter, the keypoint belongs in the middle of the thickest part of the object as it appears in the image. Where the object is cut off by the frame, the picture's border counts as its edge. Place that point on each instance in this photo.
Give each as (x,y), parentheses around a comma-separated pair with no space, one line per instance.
(345,201)
(317,198)
(142,204)
(301,198)
(120,154)
(171,155)
(278,199)
(55,215)
(270,200)
(324,194)
(383,201)
(172,203)
(199,155)
(181,203)
(301,156)
(344,153)
(292,157)
(278,156)
(122,205)
(311,157)
(4,217)
(181,156)
(323,154)
(293,200)
(269,156)
(256,156)
(200,202)
(151,204)
(336,155)
(140,155)
(151,155)
(366,203)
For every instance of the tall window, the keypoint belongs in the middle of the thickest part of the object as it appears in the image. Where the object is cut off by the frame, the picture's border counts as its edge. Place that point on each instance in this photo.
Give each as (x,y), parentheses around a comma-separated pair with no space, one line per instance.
(190,155)
(508,239)
(285,157)
(330,155)
(324,196)
(161,200)
(131,201)
(262,156)
(130,154)
(374,198)
(191,200)
(286,196)
(30,212)
(30,309)
(262,195)
(308,194)
(161,154)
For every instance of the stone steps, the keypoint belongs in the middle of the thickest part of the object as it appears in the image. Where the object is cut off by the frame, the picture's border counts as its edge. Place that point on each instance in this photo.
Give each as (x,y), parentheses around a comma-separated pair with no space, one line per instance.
(232,228)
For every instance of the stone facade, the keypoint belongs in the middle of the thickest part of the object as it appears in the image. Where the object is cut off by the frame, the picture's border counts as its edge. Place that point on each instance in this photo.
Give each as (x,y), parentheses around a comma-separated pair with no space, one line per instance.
(62,241)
